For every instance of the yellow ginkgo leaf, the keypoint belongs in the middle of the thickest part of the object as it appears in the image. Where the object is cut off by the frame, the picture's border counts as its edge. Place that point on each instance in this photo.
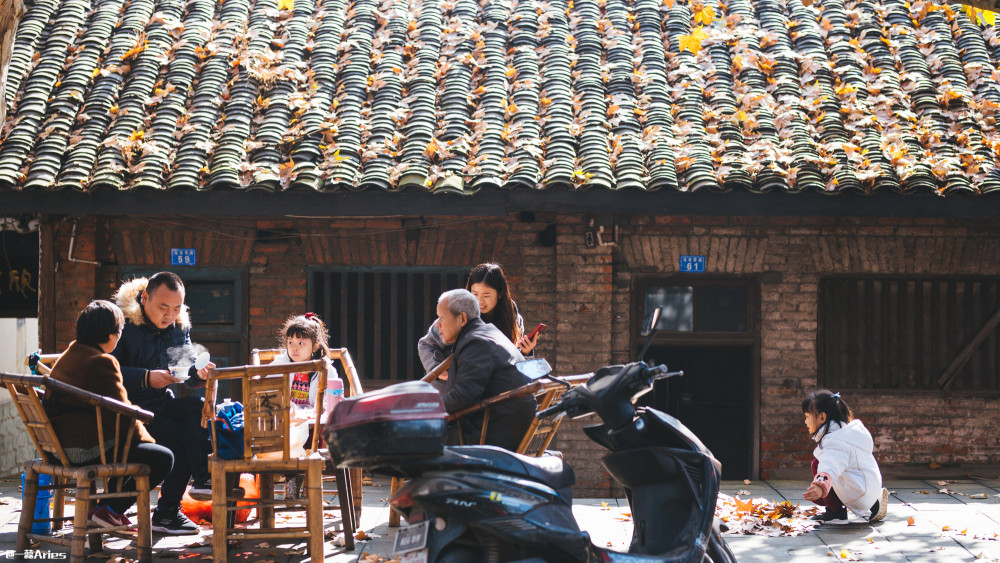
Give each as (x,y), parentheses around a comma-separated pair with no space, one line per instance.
(286,4)
(689,42)
(844,554)
(668,3)
(705,16)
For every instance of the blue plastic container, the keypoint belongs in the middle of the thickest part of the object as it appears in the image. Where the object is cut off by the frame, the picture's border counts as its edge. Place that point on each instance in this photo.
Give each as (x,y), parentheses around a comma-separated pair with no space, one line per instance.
(43,506)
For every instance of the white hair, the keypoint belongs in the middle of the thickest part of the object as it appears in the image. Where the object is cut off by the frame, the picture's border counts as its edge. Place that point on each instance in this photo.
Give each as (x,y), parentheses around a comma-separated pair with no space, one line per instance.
(460,301)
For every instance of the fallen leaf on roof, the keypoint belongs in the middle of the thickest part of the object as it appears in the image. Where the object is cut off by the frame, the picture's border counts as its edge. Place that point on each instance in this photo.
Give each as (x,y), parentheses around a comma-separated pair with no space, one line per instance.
(911,522)
(361,535)
(604,506)
(286,4)
(747,482)
(703,15)
(934,465)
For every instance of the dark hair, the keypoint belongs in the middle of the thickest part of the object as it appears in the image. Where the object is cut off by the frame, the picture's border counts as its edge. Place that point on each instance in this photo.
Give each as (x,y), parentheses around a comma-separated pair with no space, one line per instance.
(829,403)
(97,322)
(308,326)
(169,279)
(502,316)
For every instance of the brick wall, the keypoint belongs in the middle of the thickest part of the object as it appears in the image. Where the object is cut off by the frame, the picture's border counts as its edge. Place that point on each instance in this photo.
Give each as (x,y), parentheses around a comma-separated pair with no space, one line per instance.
(585,296)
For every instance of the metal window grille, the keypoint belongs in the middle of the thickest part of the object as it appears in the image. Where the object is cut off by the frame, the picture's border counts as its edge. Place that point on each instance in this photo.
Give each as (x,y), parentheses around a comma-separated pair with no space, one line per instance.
(379,315)
(909,333)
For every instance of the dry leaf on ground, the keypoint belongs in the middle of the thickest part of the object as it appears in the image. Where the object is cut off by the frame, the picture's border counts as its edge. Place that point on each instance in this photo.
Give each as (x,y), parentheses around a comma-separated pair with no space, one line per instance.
(760,516)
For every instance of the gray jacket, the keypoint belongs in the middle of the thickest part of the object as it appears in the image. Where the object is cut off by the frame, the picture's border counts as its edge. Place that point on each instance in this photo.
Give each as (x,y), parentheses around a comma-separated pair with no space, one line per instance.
(483,366)
(432,350)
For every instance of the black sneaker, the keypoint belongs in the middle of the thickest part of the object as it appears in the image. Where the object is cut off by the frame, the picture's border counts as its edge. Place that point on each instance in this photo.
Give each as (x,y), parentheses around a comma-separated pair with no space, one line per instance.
(838,517)
(879,508)
(173,522)
(201,489)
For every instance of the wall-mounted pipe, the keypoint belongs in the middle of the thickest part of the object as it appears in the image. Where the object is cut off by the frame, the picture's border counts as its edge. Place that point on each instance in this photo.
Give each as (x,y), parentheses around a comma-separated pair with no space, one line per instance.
(72,242)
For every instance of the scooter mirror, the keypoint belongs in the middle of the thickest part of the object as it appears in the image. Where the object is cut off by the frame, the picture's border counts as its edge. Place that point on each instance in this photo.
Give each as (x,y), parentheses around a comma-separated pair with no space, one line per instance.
(651,320)
(534,369)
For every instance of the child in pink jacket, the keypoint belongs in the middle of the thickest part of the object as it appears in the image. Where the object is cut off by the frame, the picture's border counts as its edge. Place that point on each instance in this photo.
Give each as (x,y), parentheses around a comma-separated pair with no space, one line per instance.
(845,473)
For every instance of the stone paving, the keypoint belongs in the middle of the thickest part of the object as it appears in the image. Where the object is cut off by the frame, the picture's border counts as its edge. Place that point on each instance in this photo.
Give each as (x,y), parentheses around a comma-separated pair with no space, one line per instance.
(946,527)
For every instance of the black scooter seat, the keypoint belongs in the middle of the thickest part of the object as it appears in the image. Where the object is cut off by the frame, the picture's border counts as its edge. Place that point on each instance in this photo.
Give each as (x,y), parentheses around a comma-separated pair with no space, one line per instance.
(546,469)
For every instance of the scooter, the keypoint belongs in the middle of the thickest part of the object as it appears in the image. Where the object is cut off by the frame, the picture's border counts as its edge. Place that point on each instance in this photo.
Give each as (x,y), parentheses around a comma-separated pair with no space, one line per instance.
(482,503)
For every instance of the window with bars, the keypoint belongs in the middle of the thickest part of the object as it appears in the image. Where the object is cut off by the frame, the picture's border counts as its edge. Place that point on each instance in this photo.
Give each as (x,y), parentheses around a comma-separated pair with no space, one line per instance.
(379,314)
(909,333)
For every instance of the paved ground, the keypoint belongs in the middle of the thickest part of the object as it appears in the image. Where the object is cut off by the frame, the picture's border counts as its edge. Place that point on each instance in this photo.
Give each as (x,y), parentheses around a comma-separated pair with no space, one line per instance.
(945,527)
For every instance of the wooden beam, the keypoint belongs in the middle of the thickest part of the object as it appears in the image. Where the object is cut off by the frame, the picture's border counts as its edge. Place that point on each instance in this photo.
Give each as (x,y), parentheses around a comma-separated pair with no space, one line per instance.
(372,203)
(47,283)
(948,377)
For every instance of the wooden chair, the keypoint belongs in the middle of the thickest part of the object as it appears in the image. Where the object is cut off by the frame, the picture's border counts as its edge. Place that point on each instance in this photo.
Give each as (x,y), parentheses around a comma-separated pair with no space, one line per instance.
(267,421)
(353,476)
(78,482)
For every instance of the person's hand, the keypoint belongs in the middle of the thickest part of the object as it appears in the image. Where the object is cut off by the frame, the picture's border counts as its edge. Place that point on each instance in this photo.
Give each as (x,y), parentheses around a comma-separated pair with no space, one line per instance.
(160,378)
(203,372)
(526,345)
(813,493)
(300,415)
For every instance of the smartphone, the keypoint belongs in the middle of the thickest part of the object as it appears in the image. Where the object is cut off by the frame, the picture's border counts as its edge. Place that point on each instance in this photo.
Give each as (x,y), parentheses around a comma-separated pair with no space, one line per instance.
(537,330)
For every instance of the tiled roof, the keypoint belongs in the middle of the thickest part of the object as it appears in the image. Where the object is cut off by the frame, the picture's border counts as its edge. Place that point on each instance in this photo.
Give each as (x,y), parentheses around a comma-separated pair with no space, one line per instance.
(458,95)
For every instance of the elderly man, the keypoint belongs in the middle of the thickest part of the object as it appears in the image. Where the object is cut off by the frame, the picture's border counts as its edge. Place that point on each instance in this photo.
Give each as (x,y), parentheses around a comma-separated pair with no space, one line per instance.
(482,366)
(156,322)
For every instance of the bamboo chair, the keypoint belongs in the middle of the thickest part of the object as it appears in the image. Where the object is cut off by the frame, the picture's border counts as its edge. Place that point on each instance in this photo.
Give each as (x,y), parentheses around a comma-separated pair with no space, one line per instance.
(353,476)
(78,482)
(267,421)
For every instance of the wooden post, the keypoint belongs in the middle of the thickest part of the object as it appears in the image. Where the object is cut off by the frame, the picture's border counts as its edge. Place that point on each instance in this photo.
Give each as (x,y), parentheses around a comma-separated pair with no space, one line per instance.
(144,542)
(11,12)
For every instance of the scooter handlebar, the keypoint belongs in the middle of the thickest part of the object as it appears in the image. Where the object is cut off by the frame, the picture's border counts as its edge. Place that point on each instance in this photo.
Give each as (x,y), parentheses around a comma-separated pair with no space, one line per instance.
(555,409)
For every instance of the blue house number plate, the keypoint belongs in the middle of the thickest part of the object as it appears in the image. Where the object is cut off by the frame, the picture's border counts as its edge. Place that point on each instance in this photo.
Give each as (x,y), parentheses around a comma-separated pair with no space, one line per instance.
(183,257)
(693,264)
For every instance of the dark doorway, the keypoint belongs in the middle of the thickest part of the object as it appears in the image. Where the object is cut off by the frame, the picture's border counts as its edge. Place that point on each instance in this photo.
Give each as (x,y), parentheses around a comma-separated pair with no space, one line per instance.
(714,399)
(709,328)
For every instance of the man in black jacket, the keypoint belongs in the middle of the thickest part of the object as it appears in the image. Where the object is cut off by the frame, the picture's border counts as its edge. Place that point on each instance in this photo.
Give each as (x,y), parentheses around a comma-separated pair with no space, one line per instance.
(156,322)
(482,366)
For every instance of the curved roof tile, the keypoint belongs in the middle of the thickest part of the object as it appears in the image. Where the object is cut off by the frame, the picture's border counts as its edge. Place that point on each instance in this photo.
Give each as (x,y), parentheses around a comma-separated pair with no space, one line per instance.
(460,95)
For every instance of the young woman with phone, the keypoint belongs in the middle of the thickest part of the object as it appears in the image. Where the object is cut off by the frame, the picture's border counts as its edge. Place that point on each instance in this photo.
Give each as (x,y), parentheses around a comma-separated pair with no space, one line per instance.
(488,283)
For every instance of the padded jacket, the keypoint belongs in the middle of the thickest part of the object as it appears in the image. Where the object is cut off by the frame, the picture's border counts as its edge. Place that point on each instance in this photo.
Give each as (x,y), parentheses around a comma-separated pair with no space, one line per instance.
(483,366)
(845,458)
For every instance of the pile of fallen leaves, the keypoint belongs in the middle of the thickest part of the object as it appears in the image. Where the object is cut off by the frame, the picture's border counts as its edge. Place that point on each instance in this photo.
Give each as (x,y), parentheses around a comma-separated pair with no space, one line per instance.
(759,516)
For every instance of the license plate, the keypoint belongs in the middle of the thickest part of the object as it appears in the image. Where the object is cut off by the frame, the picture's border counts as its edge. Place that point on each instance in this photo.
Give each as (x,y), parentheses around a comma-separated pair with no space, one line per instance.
(411,538)
(419,556)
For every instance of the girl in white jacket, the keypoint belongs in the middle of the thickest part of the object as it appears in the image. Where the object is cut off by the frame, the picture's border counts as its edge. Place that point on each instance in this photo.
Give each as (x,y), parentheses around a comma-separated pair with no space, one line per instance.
(845,474)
